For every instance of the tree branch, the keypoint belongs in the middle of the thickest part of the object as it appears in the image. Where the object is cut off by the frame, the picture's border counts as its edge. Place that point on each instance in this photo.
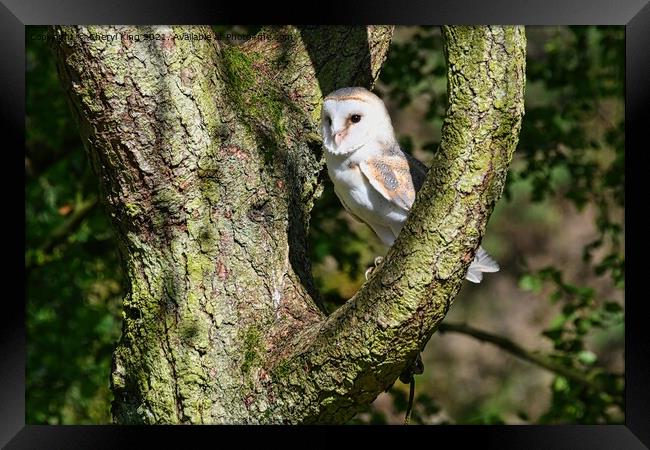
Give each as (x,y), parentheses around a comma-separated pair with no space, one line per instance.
(81,210)
(346,361)
(60,233)
(536,358)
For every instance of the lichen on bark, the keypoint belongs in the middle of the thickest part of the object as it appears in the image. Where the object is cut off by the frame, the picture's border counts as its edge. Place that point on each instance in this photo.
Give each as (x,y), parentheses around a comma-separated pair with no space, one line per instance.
(209,157)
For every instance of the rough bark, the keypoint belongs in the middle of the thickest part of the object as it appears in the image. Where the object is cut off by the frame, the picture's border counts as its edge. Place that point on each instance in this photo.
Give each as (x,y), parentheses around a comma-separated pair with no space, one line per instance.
(209,158)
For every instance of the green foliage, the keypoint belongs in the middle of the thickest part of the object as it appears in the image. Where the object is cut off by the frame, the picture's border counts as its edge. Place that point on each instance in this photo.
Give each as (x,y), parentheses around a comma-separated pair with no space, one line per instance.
(416,69)
(581,316)
(74,284)
(577,129)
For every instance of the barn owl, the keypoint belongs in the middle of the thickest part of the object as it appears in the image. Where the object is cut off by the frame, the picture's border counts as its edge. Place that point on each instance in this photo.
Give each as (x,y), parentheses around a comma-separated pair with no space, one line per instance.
(374,179)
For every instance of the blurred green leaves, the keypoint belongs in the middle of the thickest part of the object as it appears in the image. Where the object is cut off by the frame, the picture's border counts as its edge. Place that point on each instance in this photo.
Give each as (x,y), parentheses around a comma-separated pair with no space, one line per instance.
(581,316)
(577,125)
(74,280)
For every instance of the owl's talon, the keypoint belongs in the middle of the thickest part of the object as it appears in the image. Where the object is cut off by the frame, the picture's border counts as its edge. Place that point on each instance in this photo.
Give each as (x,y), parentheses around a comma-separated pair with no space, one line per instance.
(378,260)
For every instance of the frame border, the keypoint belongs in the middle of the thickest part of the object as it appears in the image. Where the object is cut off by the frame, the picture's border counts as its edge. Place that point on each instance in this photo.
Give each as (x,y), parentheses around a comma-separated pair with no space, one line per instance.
(634,14)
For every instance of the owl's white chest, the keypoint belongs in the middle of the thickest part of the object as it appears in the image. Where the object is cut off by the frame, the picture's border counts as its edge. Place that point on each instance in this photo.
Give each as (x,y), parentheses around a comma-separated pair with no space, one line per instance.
(357,194)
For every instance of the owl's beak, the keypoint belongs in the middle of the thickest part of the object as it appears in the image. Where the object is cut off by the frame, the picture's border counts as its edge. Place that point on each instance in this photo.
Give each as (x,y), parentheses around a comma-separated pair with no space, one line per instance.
(338,137)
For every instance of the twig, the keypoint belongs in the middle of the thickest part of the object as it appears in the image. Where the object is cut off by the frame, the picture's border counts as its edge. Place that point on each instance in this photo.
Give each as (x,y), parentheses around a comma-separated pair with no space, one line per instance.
(409,407)
(520,352)
(60,233)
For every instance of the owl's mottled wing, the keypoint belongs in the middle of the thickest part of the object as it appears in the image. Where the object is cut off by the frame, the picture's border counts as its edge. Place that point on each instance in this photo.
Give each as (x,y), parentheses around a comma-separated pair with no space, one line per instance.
(391,177)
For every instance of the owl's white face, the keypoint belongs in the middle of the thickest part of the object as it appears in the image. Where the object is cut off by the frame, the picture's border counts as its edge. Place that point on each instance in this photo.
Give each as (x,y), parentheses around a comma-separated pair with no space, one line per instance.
(352,118)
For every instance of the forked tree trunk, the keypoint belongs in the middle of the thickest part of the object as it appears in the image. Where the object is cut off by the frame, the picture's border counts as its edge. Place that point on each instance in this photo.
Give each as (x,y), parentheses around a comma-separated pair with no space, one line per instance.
(209,158)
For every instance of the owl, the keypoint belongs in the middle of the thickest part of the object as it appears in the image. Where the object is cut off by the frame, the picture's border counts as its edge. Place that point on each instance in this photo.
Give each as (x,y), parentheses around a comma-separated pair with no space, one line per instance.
(374,179)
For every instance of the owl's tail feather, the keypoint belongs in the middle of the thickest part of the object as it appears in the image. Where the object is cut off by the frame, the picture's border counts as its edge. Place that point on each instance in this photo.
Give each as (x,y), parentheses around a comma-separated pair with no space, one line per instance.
(482,263)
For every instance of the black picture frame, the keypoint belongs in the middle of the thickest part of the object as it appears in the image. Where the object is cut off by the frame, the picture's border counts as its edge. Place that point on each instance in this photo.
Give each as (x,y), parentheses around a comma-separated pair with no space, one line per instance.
(634,14)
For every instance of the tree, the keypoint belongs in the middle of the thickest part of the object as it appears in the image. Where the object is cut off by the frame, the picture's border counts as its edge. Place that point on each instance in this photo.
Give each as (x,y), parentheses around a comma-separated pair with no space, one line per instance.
(209,158)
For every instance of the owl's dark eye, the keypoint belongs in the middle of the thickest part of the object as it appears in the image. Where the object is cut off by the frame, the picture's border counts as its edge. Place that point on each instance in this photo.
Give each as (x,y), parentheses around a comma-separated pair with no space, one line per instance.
(329,120)
(355,118)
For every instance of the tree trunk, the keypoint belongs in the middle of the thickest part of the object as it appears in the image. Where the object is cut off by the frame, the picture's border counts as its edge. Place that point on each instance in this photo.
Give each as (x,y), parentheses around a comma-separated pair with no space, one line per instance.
(209,157)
